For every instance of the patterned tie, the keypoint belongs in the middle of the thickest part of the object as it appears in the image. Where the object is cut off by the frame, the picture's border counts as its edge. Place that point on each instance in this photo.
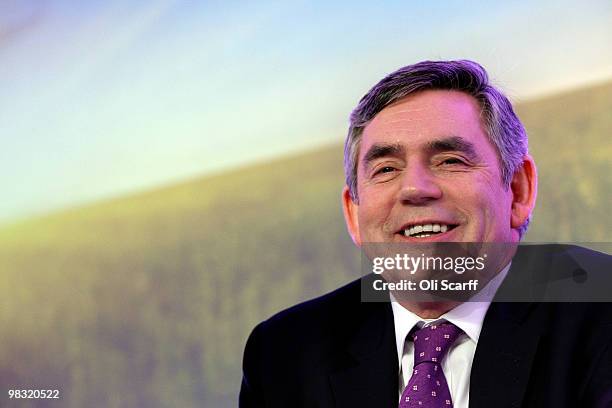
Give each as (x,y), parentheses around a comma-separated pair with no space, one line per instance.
(427,387)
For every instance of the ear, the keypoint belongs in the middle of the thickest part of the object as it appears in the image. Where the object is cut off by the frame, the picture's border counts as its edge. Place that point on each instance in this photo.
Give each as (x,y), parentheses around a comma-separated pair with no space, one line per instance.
(524,186)
(350,209)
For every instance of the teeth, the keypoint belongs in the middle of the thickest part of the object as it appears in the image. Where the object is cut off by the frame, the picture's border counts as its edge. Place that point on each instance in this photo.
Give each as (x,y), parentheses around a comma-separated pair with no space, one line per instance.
(417,229)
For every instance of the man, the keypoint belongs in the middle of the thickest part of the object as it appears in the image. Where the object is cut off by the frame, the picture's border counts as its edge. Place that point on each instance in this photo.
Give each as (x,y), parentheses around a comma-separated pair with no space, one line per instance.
(434,153)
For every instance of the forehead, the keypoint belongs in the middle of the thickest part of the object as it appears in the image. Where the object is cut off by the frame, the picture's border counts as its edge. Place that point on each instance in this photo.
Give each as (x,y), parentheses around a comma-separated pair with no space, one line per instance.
(420,118)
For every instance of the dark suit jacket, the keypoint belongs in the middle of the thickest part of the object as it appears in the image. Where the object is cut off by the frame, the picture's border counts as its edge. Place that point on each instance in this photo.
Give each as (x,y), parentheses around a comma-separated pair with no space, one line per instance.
(336,351)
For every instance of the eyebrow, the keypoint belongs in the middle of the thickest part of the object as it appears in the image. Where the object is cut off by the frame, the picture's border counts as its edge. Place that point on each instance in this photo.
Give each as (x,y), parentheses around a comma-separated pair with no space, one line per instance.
(453,143)
(447,144)
(376,151)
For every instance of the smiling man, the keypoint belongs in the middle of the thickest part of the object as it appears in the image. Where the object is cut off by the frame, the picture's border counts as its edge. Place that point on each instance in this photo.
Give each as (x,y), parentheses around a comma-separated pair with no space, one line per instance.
(434,154)
(426,159)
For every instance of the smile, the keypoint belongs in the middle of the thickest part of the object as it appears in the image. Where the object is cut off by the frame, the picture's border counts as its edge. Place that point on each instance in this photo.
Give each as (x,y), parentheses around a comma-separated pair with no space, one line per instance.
(426,230)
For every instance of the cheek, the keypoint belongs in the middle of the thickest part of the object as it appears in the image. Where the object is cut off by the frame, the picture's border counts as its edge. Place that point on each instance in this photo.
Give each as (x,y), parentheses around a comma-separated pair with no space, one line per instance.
(372,212)
(483,205)
(376,201)
(495,205)
(374,215)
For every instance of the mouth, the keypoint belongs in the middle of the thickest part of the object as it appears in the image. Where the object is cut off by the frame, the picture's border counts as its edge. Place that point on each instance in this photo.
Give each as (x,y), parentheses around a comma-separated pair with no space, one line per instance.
(430,230)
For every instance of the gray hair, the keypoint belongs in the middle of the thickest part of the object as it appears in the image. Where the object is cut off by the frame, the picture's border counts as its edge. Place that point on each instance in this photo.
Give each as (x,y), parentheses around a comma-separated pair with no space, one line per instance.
(503,127)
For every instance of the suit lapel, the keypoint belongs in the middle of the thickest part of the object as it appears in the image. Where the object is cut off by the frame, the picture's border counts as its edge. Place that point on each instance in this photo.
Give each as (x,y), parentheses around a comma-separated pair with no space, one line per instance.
(511,332)
(369,375)
(504,356)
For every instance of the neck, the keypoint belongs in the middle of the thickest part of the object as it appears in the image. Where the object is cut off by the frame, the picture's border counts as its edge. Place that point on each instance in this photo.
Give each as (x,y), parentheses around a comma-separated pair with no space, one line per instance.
(429,310)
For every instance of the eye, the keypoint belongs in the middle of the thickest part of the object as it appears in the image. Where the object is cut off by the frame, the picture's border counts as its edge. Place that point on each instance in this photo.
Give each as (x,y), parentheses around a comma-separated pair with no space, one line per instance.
(384,170)
(452,161)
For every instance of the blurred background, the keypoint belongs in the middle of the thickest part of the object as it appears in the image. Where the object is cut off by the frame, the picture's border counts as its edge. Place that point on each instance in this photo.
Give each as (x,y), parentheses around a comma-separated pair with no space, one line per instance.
(171,170)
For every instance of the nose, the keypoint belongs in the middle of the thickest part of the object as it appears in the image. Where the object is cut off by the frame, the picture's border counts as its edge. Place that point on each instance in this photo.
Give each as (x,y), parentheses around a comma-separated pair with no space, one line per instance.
(419,185)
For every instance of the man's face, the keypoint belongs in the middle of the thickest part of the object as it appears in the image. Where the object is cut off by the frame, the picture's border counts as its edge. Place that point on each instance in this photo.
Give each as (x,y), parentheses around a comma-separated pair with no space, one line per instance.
(425,162)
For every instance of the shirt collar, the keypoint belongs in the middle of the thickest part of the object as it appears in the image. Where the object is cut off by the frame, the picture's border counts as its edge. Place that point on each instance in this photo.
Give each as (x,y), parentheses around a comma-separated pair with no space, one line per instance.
(468,316)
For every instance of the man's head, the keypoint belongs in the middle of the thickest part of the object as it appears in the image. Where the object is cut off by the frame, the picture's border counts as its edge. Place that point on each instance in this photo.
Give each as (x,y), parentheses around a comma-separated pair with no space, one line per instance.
(435,143)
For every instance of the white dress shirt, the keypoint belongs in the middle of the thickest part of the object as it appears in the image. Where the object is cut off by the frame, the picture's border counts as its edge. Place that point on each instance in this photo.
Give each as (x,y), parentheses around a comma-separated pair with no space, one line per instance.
(457,364)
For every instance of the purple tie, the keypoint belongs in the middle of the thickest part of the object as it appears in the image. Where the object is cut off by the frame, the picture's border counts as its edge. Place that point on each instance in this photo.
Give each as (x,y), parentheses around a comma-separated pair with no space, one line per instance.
(427,387)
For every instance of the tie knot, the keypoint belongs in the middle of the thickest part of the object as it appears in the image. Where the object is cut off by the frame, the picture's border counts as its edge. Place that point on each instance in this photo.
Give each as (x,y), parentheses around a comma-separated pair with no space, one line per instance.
(431,343)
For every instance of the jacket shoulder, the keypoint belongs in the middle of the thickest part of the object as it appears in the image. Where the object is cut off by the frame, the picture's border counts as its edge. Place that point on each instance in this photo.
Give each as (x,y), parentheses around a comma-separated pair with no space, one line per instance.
(321,313)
